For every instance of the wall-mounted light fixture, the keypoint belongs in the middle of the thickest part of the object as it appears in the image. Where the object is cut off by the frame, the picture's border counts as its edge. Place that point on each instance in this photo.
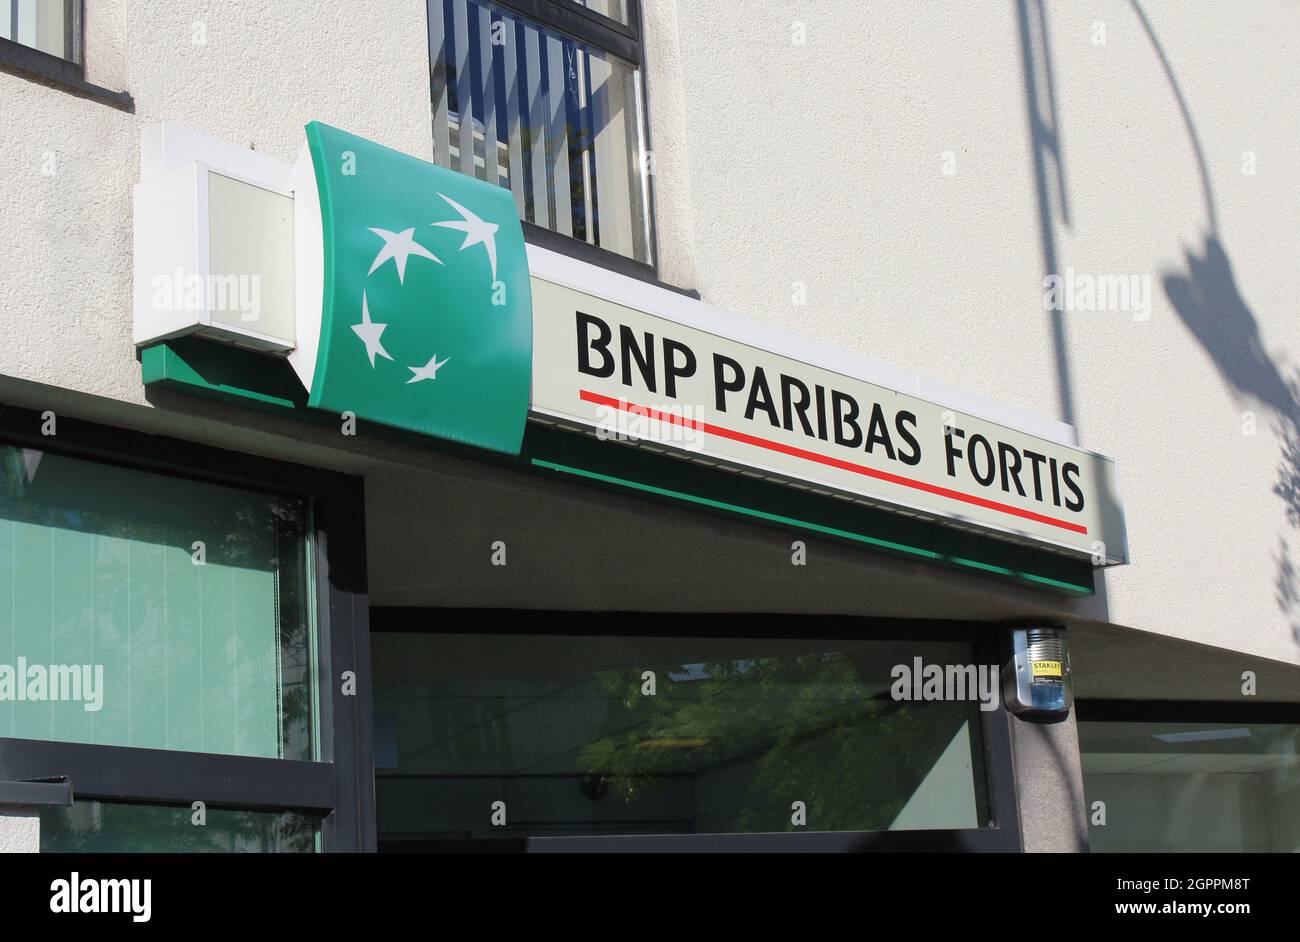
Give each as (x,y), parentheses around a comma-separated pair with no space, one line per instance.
(1036,674)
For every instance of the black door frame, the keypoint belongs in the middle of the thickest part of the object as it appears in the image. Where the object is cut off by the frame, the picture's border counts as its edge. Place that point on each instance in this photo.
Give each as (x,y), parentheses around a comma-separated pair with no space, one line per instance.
(339,788)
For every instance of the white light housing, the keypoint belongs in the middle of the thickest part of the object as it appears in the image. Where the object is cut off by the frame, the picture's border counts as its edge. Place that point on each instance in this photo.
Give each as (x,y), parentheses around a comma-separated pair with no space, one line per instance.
(214,255)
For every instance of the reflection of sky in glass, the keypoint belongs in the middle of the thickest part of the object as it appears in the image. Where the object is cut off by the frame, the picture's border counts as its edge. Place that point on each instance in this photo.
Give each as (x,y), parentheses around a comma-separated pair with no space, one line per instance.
(700,671)
(614,9)
(1203,735)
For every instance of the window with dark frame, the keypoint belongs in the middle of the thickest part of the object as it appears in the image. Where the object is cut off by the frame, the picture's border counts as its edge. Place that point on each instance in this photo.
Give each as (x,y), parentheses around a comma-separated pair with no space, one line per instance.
(43,40)
(50,26)
(552,730)
(1191,776)
(546,98)
(219,654)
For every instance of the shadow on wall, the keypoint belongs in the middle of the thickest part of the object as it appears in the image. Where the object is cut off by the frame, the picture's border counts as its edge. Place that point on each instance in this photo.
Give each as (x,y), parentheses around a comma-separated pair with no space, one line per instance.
(1206,296)
(1207,299)
(1049,169)
(1286,582)
(1204,293)
(1051,195)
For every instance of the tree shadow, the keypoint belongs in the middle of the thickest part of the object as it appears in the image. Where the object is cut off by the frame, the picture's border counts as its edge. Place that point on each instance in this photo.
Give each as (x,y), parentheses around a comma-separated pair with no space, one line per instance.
(1204,293)
(1287,581)
(1210,305)
(1208,300)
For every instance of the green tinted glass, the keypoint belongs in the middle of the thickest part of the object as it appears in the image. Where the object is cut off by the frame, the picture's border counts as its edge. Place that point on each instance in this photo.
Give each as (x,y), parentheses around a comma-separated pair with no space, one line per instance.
(108,827)
(565,731)
(139,609)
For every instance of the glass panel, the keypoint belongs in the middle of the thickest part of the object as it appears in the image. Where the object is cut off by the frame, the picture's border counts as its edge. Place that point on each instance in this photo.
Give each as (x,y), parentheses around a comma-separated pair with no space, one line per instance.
(140,609)
(1192,786)
(614,9)
(110,827)
(562,730)
(42,24)
(554,121)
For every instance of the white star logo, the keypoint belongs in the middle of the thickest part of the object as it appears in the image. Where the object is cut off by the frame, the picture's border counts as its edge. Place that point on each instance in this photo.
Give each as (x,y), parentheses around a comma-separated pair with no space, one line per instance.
(428,371)
(369,332)
(399,246)
(477,232)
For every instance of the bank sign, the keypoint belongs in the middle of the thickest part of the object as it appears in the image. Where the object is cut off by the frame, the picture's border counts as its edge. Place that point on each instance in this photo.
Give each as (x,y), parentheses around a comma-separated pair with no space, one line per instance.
(416,305)
(423,320)
(627,374)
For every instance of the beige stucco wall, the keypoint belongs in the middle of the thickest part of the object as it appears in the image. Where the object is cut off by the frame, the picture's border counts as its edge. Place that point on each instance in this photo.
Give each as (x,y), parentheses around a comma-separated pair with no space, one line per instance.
(823,164)
(820,164)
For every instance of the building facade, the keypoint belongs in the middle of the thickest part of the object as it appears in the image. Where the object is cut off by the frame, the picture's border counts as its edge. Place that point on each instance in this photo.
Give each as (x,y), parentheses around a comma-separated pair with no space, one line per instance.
(319,627)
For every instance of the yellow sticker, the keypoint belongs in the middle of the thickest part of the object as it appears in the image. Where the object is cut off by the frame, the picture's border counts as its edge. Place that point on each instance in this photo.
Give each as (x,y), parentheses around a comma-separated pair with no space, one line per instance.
(1052,668)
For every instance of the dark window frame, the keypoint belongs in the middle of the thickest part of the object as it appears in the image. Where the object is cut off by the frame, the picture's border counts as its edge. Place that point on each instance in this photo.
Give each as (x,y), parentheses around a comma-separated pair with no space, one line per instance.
(339,786)
(1214,712)
(68,71)
(1266,713)
(627,41)
(1003,836)
(588,26)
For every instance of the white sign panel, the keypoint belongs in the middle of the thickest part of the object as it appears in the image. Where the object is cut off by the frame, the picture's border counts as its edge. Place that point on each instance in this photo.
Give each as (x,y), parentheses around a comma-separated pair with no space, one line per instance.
(628,373)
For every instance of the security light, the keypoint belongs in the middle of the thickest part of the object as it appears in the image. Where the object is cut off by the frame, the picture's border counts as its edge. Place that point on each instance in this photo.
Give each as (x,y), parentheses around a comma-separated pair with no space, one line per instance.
(1036,676)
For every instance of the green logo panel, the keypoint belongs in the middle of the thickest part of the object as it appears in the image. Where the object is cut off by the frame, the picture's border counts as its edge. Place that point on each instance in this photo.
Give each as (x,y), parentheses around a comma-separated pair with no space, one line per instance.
(426,321)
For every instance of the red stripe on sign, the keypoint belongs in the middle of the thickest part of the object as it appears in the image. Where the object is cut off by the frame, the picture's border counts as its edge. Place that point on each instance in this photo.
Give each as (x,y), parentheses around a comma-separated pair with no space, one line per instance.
(840,463)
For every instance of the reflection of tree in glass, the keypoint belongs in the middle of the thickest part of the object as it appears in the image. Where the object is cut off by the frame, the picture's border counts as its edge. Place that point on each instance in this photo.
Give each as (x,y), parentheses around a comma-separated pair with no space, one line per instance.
(239,529)
(99,827)
(769,732)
